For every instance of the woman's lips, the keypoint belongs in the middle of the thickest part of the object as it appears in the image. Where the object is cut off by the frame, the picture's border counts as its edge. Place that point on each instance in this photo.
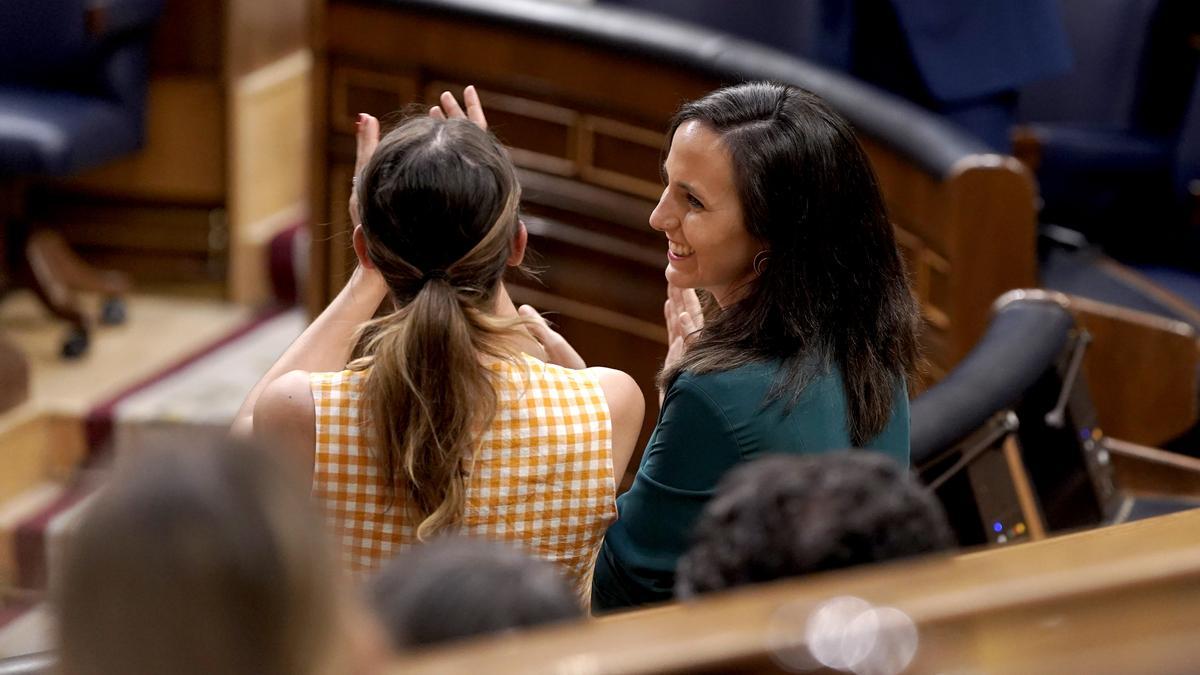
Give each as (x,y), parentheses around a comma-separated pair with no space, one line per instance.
(677,251)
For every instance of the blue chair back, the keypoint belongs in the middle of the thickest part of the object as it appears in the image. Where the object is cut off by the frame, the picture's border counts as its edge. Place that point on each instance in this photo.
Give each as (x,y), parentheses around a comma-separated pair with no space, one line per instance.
(42,38)
(1109,39)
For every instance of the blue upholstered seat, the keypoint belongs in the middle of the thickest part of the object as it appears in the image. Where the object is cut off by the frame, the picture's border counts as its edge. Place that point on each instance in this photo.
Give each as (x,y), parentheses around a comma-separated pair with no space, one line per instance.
(61,132)
(72,97)
(1112,132)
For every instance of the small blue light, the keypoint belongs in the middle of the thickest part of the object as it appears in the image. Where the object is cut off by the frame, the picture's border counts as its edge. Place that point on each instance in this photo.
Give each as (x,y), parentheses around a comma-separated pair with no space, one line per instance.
(997,526)
(1085,434)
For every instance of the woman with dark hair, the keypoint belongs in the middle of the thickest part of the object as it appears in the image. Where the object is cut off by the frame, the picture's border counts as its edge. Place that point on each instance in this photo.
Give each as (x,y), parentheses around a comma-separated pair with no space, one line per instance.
(806,335)
(451,421)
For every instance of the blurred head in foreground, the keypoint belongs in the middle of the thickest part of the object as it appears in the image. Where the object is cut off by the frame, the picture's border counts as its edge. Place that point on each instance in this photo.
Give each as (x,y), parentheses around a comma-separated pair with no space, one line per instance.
(456,587)
(788,515)
(202,562)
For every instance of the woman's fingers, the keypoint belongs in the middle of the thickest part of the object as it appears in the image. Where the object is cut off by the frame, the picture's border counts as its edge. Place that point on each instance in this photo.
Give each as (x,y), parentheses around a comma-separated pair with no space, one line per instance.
(674,353)
(691,305)
(449,107)
(558,350)
(538,325)
(671,318)
(474,107)
(366,140)
(687,325)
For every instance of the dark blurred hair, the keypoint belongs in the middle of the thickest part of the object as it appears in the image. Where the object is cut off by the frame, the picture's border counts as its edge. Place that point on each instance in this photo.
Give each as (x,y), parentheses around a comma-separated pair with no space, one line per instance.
(833,291)
(787,515)
(457,587)
(198,562)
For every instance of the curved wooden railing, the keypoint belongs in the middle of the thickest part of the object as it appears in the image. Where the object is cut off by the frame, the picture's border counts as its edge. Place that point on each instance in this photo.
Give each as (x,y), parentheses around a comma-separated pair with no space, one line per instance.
(1124,599)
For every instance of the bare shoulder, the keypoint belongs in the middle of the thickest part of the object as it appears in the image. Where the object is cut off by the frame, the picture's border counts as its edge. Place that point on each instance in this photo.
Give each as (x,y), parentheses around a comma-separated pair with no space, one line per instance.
(626,407)
(285,419)
(620,390)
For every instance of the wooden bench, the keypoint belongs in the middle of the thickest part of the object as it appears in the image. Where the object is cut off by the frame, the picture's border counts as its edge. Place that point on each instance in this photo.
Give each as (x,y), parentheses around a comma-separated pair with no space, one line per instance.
(1124,599)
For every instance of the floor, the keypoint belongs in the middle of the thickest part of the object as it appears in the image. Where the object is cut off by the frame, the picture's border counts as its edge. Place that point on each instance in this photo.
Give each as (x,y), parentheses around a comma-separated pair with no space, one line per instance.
(159,330)
(39,439)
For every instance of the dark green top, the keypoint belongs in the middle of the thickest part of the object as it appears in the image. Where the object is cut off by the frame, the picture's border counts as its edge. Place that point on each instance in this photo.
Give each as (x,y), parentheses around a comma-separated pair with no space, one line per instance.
(708,424)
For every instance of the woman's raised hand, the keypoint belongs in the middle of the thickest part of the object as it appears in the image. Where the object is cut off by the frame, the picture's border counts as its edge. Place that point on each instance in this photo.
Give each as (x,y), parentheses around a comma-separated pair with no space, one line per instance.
(449,108)
(558,350)
(684,318)
(366,140)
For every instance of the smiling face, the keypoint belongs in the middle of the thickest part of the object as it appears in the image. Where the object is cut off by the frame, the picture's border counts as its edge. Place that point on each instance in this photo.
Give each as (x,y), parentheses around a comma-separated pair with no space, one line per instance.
(701,215)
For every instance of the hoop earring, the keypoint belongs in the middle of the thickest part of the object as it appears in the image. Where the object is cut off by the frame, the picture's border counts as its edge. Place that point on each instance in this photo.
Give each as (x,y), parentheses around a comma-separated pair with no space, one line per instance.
(760,261)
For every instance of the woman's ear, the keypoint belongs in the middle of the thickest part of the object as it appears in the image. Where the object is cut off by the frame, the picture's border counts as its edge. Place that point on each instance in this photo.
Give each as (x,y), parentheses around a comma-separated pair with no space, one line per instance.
(360,248)
(520,240)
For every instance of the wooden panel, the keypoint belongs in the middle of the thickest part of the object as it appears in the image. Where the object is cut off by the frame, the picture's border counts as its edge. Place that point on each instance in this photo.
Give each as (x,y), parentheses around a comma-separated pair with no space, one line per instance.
(151,242)
(1141,371)
(557,67)
(261,33)
(184,157)
(1117,600)
(540,136)
(189,39)
(916,201)
(622,156)
(200,273)
(1147,471)
(38,446)
(269,145)
(354,90)
(990,243)
(341,259)
(138,229)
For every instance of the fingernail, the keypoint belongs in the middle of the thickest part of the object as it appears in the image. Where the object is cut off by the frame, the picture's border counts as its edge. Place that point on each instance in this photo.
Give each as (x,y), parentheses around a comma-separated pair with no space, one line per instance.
(470,88)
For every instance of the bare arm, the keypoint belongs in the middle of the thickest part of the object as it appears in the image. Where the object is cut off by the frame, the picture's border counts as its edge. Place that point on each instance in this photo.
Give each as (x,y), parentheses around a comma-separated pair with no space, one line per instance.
(284,420)
(326,344)
(626,407)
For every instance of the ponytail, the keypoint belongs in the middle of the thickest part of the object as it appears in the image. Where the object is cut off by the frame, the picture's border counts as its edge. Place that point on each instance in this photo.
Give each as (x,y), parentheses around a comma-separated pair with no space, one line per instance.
(429,392)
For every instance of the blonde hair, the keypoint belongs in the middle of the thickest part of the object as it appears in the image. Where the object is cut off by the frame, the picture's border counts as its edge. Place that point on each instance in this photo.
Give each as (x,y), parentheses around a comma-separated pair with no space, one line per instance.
(198,562)
(439,203)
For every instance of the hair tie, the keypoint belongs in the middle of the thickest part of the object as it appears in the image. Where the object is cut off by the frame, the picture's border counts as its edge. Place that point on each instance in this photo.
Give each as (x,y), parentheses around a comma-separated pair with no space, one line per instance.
(435,274)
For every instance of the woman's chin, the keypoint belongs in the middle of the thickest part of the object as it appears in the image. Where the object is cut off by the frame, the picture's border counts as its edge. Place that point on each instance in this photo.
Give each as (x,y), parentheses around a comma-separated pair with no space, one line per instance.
(678,278)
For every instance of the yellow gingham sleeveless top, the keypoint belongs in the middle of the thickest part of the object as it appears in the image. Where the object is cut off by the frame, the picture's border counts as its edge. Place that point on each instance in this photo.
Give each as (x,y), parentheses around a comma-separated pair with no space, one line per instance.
(542,478)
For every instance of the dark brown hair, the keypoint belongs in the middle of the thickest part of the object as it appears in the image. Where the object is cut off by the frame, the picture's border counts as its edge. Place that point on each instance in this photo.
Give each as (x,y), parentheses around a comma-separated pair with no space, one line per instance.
(439,209)
(833,290)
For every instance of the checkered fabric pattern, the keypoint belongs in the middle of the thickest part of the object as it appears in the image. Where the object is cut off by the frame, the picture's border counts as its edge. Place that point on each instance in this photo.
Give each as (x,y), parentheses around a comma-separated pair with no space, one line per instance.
(542,478)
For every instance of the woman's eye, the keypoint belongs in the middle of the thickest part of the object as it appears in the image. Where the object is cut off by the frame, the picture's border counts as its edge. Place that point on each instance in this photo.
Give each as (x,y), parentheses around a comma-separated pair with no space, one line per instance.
(695,203)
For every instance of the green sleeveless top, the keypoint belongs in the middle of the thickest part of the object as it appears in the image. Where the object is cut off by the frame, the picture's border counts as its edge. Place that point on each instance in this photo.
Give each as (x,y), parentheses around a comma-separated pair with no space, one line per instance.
(708,424)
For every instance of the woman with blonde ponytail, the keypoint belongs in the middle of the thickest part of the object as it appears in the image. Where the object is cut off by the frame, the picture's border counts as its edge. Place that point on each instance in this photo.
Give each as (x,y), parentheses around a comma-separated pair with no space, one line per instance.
(463,415)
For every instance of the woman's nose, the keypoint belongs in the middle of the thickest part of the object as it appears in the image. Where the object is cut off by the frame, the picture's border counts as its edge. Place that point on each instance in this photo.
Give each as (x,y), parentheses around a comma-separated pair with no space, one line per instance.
(661,218)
